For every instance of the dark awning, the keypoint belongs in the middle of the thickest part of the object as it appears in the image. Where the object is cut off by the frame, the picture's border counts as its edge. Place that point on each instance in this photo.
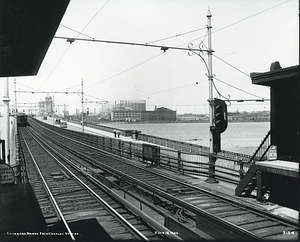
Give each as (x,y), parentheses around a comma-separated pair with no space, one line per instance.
(266,78)
(27,28)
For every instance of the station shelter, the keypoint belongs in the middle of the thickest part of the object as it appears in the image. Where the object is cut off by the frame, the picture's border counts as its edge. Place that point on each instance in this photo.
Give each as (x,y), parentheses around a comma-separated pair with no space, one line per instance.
(281,173)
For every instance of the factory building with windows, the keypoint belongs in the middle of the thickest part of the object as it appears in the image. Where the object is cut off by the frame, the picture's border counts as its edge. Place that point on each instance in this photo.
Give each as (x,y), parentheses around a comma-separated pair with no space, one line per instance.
(135,111)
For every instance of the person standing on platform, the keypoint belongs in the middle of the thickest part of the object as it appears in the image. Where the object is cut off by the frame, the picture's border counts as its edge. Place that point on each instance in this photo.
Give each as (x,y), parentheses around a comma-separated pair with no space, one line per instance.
(115,133)
(118,133)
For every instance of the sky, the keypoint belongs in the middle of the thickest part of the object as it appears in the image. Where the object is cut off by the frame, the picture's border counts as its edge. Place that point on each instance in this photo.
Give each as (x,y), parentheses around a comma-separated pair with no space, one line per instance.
(247,36)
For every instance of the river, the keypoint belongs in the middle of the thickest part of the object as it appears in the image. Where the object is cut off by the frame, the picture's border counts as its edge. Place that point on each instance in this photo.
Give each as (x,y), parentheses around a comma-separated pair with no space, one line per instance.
(239,137)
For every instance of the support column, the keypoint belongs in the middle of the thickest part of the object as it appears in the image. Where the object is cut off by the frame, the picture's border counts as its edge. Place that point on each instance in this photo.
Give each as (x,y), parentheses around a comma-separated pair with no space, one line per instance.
(211,168)
(6,121)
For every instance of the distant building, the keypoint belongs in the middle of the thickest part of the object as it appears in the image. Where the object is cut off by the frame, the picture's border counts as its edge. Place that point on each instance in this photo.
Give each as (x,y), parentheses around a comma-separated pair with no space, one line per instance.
(128,110)
(190,117)
(131,105)
(121,115)
(48,105)
(45,107)
(159,114)
(262,116)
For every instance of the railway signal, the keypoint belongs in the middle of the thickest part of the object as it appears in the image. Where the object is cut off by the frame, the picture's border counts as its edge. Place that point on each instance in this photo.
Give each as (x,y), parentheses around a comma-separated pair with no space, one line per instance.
(220,111)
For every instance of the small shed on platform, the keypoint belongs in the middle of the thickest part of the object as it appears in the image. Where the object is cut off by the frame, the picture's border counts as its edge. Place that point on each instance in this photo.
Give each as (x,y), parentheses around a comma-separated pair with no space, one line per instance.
(281,175)
(285,106)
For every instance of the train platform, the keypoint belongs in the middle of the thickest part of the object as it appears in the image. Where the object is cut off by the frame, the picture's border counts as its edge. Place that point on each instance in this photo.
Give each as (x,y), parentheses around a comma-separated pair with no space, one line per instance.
(221,187)
(280,167)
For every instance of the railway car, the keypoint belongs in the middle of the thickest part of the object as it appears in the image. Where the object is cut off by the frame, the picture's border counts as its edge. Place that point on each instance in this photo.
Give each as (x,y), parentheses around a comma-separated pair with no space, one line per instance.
(63,124)
(22,119)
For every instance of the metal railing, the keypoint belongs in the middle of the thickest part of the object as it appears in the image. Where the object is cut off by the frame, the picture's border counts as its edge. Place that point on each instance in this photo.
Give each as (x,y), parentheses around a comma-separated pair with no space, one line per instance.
(172,159)
(182,157)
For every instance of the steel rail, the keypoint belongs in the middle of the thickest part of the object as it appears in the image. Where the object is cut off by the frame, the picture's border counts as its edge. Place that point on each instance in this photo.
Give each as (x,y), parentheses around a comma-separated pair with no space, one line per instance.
(192,208)
(119,216)
(159,192)
(144,216)
(218,195)
(60,214)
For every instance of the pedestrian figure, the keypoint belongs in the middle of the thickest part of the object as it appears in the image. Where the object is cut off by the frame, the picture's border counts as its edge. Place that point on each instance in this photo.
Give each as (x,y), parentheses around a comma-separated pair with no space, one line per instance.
(118,133)
(115,133)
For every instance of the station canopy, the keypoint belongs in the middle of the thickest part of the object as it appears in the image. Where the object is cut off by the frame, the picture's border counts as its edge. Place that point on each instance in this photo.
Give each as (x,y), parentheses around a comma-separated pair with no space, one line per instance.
(27,28)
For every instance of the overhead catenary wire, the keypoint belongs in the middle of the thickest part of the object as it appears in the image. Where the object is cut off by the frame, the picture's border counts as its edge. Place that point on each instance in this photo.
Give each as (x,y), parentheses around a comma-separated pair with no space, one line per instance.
(174,36)
(231,65)
(79,33)
(120,73)
(162,47)
(166,90)
(237,88)
(213,55)
(192,41)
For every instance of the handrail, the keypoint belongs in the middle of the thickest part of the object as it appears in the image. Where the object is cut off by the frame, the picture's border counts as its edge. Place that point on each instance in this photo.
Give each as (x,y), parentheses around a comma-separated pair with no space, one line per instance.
(184,146)
(237,163)
(259,148)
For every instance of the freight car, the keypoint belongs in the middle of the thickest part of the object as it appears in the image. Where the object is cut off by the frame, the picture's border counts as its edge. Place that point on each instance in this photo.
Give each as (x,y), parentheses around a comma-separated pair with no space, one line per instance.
(22,119)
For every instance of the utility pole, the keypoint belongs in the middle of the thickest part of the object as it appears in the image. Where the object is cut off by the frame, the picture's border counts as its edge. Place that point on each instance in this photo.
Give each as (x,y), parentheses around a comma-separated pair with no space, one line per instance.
(211,170)
(82,107)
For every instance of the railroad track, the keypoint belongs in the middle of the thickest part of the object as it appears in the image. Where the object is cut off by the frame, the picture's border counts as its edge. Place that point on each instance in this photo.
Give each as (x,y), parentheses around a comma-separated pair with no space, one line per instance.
(66,196)
(206,210)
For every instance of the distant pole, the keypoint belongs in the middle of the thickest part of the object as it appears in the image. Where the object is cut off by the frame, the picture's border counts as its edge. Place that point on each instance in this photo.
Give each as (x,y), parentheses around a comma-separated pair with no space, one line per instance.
(16,107)
(52,110)
(211,169)
(6,120)
(82,124)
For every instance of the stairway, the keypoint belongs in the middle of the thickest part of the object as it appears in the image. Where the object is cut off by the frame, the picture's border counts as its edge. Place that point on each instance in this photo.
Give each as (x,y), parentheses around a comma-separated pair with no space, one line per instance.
(248,183)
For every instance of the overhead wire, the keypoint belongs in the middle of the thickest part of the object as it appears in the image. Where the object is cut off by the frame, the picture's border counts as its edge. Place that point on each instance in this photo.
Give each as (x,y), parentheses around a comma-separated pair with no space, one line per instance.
(174,36)
(79,33)
(231,65)
(237,88)
(124,71)
(166,90)
(187,42)
(169,38)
